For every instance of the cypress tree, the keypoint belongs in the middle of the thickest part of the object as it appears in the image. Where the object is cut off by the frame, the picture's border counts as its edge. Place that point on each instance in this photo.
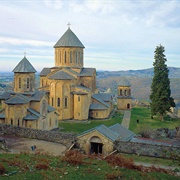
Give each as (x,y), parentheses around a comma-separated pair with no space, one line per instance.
(160,97)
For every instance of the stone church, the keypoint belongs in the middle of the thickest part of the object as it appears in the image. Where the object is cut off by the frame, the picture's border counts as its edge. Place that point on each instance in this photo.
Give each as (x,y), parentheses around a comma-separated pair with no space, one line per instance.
(67,90)
(70,87)
(24,106)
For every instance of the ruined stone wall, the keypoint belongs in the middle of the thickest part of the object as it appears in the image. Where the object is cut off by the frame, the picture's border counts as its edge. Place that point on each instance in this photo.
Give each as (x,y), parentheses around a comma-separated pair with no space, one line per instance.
(161,151)
(53,136)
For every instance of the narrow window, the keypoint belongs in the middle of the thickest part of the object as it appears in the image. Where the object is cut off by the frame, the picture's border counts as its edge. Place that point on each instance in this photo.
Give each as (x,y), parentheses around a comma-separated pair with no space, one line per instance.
(58,102)
(65,57)
(19,83)
(11,121)
(79,98)
(65,102)
(70,56)
(76,57)
(18,122)
(120,92)
(79,57)
(129,92)
(27,83)
(52,102)
(125,92)
(60,56)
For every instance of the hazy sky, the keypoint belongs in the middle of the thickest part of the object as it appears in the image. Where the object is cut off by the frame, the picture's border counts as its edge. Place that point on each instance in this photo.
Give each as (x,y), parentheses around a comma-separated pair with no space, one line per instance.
(117,34)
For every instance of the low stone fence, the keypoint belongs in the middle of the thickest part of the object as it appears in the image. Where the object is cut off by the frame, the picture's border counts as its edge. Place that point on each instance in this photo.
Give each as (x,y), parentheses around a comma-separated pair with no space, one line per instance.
(53,136)
(143,149)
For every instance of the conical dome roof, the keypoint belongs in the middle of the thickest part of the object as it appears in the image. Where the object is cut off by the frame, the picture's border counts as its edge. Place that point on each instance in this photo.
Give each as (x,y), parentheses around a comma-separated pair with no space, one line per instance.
(124,82)
(69,39)
(24,66)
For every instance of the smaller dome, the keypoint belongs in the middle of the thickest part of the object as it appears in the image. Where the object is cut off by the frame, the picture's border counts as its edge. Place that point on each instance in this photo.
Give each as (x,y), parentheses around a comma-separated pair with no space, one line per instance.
(124,82)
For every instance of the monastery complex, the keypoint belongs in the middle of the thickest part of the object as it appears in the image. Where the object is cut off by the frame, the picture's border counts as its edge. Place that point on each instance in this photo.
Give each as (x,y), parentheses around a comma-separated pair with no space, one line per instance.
(67,91)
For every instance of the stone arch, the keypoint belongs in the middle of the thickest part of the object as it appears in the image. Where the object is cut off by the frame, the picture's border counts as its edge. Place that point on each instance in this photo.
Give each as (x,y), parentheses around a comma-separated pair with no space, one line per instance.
(128,106)
(96,145)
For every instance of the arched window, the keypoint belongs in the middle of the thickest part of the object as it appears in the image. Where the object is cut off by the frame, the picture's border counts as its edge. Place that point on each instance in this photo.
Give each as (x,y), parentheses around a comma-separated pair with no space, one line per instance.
(125,92)
(76,57)
(65,102)
(65,57)
(52,101)
(60,56)
(18,122)
(70,57)
(11,121)
(79,57)
(120,92)
(58,102)
(28,83)
(19,83)
(50,122)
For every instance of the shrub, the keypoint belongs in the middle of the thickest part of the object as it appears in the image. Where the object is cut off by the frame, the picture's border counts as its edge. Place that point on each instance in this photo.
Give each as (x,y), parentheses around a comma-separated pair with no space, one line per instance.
(41,166)
(2,169)
(74,157)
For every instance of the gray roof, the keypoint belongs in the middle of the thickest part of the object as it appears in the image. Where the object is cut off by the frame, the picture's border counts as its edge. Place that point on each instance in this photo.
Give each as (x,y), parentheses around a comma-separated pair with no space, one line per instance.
(96,106)
(6,95)
(69,39)
(124,97)
(115,132)
(87,71)
(124,82)
(38,95)
(124,133)
(80,93)
(103,130)
(98,98)
(61,75)
(18,99)
(2,116)
(45,72)
(50,108)
(24,66)
(83,88)
(107,97)
(34,115)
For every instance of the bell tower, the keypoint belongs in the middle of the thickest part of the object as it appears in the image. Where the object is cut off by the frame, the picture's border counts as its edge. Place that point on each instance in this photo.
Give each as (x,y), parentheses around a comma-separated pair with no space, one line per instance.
(24,77)
(124,95)
(69,51)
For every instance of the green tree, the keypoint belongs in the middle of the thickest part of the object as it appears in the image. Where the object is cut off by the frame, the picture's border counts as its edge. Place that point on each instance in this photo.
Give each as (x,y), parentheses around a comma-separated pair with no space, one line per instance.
(160,97)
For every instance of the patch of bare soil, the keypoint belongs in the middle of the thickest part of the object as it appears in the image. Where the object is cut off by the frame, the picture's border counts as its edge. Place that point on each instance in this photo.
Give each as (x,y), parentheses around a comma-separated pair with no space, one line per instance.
(17,145)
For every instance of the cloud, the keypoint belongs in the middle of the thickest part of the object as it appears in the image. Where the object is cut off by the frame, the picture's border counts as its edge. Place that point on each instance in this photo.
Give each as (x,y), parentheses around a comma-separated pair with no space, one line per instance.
(17,41)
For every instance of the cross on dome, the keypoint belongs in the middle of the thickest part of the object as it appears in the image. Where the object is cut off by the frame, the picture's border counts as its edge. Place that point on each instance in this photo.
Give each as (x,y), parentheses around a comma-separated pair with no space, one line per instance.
(69,24)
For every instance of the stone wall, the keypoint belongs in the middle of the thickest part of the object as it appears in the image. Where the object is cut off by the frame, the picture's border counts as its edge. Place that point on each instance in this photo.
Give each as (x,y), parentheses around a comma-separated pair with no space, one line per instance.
(161,151)
(53,136)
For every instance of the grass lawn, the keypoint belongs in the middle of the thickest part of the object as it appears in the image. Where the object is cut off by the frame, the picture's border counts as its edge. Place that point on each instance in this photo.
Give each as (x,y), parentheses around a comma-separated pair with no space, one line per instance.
(79,127)
(145,121)
(26,166)
(153,160)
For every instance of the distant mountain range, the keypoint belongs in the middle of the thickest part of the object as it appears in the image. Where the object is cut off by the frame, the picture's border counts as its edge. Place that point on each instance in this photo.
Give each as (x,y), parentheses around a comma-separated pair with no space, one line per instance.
(173,73)
(107,80)
(140,81)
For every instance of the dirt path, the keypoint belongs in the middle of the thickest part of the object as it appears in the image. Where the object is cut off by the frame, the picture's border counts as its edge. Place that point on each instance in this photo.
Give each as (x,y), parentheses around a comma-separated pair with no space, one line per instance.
(18,145)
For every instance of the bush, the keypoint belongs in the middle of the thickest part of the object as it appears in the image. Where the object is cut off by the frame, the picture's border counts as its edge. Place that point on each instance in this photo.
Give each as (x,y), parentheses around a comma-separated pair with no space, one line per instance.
(2,169)
(41,166)
(74,157)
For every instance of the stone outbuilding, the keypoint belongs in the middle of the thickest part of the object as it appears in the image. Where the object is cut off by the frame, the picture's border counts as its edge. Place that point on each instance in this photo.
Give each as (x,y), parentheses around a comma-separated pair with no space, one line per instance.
(100,140)
(124,99)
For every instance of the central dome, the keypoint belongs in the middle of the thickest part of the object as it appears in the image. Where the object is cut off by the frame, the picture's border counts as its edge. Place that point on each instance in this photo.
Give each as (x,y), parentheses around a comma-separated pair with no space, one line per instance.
(69,39)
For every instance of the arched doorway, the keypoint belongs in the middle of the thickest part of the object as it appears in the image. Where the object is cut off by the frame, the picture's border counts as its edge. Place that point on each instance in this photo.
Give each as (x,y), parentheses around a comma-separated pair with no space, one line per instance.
(128,106)
(96,145)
